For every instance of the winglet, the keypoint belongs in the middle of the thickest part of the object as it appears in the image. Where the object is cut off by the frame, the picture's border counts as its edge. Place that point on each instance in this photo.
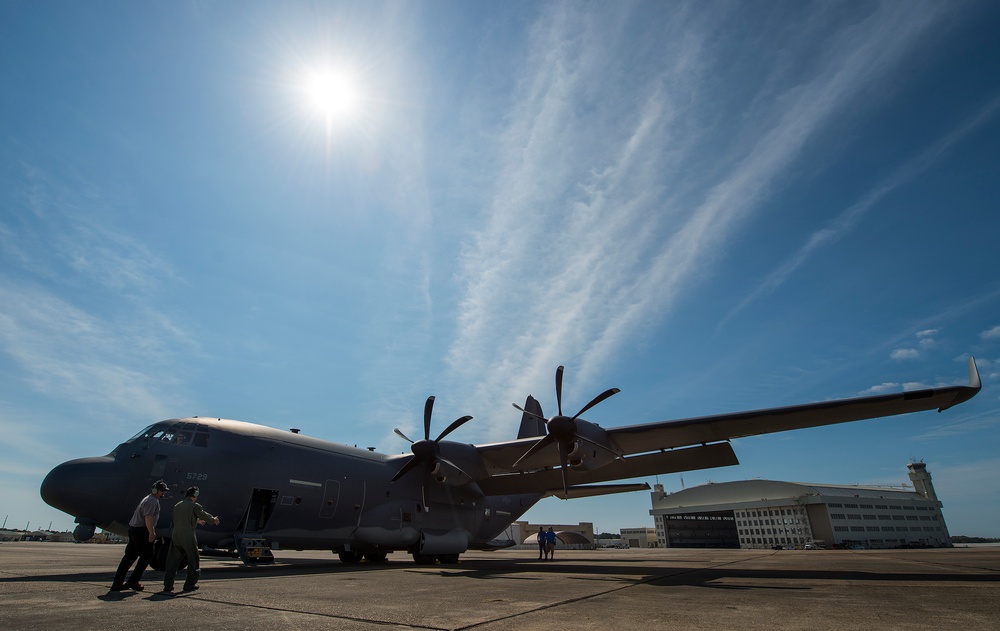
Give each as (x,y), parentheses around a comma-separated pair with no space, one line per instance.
(964,393)
(974,381)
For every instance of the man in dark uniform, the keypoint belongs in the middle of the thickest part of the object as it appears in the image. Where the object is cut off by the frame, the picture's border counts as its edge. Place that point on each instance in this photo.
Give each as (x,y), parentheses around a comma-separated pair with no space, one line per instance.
(188,513)
(141,534)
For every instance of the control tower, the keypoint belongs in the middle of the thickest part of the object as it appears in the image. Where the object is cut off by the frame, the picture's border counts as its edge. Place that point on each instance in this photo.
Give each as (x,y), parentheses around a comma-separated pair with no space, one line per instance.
(921,479)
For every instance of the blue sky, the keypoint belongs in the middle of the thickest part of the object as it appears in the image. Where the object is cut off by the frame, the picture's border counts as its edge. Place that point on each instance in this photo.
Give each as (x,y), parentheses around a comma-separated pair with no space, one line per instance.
(713,206)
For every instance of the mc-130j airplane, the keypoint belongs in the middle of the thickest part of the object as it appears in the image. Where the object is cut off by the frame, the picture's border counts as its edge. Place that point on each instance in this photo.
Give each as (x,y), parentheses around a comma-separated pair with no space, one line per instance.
(275,488)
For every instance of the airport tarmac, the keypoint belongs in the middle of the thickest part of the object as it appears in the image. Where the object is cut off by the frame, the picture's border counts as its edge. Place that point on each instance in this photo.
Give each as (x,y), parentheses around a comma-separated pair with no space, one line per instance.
(63,586)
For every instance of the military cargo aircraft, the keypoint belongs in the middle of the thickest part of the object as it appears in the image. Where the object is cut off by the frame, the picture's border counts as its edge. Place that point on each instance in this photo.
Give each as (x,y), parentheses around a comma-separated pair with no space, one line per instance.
(277,489)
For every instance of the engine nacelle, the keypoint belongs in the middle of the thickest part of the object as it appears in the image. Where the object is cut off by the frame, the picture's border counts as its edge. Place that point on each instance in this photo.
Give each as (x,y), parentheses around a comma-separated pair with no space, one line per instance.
(84,532)
(452,542)
(458,465)
(585,454)
(576,455)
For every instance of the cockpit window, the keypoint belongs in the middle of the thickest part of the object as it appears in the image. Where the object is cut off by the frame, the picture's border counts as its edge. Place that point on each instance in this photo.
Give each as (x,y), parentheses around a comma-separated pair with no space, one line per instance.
(144,433)
(175,434)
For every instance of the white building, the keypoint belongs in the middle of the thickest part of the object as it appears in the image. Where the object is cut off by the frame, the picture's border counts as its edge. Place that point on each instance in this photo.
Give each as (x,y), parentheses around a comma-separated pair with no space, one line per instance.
(768,514)
(640,537)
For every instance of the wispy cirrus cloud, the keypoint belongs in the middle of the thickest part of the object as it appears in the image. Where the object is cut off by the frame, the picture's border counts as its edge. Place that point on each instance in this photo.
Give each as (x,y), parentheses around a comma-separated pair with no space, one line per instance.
(983,423)
(849,219)
(69,354)
(78,322)
(572,286)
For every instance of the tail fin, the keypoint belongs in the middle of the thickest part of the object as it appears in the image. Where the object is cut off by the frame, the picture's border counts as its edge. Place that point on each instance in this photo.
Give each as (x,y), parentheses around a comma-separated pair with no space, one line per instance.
(532,426)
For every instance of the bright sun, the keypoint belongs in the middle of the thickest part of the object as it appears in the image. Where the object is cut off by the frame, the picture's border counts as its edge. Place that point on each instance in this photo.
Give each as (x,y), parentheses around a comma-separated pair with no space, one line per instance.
(333,93)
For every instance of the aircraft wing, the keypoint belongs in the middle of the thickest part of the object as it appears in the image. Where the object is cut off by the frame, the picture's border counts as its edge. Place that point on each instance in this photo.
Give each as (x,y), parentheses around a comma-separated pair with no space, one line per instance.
(706,429)
(654,439)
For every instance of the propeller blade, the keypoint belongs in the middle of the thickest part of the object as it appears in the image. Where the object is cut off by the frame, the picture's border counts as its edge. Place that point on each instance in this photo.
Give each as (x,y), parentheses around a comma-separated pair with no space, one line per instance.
(521,409)
(427,417)
(544,442)
(455,425)
(596,444)
(411,463)
(563,457)
(454,466)
(401,435)
(604,395)
(559,376)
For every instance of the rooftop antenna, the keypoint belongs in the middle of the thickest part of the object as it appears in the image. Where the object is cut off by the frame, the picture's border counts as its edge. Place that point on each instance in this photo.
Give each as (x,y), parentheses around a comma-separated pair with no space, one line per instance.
(682,482)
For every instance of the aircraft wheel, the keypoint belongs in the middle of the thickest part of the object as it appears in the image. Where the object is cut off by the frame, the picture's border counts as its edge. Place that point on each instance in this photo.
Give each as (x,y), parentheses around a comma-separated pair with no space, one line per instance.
(376,557)
(423,559)
(448,559)
(349,556)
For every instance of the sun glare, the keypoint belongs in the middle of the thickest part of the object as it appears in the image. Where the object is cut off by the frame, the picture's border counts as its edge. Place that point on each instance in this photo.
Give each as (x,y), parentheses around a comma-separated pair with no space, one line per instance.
(333,93)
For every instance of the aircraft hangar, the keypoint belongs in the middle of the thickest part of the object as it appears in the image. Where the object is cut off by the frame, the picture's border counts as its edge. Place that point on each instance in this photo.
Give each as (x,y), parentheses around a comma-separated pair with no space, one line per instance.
(769,514)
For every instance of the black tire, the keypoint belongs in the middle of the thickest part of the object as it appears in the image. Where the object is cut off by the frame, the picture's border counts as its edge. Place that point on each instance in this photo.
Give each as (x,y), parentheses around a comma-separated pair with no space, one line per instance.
(448,559)
(349,556)
(376,557)
(423,559)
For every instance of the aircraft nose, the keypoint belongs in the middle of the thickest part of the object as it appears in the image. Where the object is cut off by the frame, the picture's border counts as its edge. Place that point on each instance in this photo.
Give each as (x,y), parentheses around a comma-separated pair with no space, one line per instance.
(87,487)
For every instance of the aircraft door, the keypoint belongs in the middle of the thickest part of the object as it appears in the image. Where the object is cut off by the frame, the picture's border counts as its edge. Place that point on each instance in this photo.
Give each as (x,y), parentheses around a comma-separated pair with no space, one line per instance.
(344,499)
(259,510)
(331,496)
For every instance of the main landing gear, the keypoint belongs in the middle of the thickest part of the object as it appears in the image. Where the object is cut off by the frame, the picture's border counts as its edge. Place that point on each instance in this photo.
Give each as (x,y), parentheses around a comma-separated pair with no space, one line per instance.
(354,556)
(429,559)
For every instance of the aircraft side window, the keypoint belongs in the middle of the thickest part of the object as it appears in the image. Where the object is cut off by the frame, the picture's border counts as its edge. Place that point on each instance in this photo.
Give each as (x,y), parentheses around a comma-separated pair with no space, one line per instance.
(200,439)
(166,435)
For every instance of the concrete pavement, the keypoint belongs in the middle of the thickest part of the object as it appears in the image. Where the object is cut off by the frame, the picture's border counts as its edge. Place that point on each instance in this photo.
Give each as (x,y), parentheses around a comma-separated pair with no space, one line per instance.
(61,585)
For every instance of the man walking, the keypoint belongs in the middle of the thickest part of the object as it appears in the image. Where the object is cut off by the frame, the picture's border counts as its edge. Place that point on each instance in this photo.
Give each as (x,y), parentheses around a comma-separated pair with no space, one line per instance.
(550,544)
(541,542)
(188,513)
(141,535)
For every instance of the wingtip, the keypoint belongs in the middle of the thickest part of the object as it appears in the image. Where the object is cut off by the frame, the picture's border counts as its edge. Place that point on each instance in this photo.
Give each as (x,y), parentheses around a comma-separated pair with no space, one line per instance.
(974,381)
(964,393)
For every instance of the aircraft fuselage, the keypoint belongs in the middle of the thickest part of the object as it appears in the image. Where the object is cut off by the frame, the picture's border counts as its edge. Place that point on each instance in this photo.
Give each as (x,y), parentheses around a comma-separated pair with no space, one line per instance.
(296,491)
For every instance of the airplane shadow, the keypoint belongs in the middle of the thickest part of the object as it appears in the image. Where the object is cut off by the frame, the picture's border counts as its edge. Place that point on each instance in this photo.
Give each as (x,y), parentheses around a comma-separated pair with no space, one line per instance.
(621,570)
(630,572)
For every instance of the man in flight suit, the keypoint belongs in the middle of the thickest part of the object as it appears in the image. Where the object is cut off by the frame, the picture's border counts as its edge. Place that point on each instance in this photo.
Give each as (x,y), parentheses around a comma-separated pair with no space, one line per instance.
(188,513)
(141,535)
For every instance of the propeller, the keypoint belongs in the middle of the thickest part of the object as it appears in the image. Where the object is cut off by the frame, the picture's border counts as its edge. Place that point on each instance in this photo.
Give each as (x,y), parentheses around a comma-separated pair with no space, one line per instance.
(563,430)
(427,452)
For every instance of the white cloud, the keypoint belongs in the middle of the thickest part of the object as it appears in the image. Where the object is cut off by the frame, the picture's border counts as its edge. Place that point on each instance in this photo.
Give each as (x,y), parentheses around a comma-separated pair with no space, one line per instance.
(71,355)
(991,334)
(549,283)
(889,386)
(905,353)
